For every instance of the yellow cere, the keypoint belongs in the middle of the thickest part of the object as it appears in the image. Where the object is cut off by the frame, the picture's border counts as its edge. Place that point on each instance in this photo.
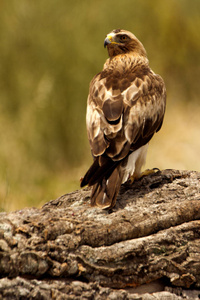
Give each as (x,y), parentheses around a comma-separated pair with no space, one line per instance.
(110,37)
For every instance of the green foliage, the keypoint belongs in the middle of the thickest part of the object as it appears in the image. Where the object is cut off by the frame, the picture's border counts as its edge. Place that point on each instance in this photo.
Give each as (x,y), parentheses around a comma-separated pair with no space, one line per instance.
(50,50)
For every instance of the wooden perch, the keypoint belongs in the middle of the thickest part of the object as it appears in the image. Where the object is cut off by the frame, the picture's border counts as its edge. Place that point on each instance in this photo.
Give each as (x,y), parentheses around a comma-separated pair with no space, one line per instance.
(150,242)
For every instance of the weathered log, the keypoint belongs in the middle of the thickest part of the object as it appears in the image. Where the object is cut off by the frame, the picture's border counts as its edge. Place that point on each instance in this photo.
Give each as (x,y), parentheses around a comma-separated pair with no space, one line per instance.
(67,249)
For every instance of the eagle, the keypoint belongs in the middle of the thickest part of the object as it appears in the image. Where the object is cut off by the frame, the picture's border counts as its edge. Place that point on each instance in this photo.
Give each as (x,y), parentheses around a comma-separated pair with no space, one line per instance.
(125,107)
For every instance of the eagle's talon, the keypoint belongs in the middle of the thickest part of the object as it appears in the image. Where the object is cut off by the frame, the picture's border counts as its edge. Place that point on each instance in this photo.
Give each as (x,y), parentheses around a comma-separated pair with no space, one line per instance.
(149,172)
(131,180)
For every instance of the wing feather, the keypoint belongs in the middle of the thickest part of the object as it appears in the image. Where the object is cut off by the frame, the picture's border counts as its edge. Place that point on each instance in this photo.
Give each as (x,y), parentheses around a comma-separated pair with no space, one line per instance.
(122,121)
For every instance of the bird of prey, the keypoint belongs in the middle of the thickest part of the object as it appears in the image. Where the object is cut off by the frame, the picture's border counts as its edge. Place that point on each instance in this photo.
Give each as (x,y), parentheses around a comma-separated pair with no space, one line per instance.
(125,107)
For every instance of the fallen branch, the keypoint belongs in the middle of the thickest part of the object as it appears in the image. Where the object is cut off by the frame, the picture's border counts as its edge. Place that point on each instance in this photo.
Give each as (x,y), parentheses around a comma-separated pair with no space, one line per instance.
(152,235)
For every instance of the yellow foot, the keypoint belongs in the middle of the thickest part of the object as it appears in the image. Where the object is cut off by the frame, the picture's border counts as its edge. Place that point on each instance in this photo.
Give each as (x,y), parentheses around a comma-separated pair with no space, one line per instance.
(148,172)
(145,173)
(131,179)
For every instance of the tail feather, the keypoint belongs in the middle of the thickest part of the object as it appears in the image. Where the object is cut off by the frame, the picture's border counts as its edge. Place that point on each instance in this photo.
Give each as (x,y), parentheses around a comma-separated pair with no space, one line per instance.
(106,177)
(104,193)
(91,171)
(97,172)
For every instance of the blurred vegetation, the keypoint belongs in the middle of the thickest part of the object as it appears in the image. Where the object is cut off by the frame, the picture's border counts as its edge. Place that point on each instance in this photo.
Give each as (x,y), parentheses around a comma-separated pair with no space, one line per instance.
(49,52)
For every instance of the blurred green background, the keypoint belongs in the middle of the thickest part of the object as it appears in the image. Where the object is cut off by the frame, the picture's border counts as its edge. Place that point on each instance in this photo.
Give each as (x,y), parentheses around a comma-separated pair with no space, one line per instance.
(49,52)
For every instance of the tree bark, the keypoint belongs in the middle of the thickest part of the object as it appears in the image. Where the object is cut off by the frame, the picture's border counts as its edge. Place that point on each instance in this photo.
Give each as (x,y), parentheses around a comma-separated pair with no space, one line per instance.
(149,243)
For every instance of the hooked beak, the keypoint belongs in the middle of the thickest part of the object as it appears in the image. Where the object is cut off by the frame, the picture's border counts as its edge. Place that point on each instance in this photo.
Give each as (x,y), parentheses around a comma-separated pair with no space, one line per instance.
(108,40)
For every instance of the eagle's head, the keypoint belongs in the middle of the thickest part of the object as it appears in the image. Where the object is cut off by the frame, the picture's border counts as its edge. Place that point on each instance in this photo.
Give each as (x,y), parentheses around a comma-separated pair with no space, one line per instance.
(120,41)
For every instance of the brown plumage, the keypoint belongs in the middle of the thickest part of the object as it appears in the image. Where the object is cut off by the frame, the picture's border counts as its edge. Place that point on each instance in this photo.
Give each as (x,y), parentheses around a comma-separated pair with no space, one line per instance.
(126,106)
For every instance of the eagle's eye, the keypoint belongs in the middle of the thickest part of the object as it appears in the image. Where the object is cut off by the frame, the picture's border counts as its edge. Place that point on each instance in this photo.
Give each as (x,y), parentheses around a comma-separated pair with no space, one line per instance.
(123,38)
